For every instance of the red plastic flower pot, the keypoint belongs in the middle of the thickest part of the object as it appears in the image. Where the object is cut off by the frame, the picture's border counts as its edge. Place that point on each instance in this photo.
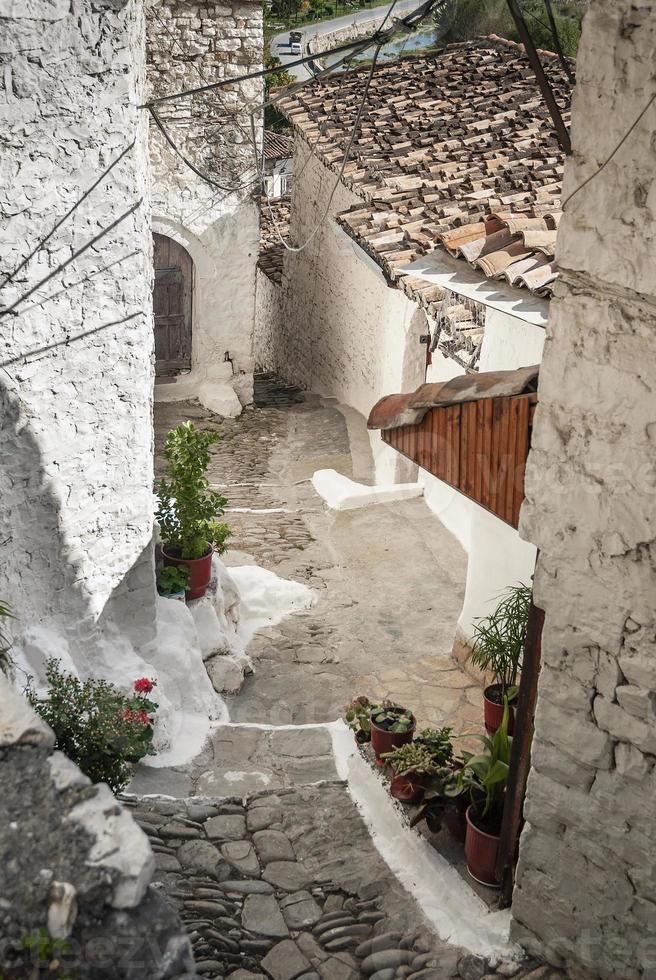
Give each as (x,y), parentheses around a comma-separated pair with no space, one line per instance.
(200,572)
(481,850)
(493,712)
(408,788)
(383,741)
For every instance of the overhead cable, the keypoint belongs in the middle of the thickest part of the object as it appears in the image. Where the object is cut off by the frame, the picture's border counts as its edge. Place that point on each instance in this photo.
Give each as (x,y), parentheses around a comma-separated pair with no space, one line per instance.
(410,20)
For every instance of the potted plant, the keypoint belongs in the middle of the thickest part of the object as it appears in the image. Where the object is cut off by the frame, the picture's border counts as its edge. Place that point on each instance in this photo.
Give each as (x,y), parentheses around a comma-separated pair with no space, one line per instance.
(498,646)
(172,581)
(188,507)
(357,716)
(444,803)
(438,743)
(391,726)
(485,776)
(412,766)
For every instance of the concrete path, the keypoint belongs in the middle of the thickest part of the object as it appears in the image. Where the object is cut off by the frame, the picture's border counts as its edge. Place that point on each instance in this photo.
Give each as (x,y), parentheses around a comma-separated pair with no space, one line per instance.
(280,43)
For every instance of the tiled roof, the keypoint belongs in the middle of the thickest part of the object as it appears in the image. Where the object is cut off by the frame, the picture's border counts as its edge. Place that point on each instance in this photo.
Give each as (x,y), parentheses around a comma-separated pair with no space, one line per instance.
(455,150)
(394,411)
(274,214)
(276,146)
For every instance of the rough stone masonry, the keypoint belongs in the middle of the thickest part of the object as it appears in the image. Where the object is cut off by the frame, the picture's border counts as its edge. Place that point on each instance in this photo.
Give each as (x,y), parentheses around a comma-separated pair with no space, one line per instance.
(586,881)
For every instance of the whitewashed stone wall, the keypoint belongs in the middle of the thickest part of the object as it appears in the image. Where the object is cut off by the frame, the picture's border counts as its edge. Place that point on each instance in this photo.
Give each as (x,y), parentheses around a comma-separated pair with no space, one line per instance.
(191,44)
(76,503)
(344,333)
(586,880)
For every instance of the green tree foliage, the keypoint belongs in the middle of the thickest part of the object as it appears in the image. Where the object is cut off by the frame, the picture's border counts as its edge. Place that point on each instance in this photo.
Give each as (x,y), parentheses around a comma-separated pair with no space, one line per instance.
(102,730)
(273,119)
(466,19)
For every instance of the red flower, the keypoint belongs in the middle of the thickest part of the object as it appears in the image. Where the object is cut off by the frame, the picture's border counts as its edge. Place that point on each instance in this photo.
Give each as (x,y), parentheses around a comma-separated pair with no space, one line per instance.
(142,717)
(143,685)
(127,715)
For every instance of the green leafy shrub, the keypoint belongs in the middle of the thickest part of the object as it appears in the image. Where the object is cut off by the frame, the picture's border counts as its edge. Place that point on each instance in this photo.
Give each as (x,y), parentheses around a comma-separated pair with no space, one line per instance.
(499,638)
(443,793)
(172,579)
(101,729)
(188,507)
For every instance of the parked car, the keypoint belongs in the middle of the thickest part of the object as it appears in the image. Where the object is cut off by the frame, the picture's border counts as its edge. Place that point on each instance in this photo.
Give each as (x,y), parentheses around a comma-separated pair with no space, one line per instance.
(295,47)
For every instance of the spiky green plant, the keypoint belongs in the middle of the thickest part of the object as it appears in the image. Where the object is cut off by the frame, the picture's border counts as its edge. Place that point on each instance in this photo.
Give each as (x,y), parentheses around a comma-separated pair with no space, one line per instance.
(499,638)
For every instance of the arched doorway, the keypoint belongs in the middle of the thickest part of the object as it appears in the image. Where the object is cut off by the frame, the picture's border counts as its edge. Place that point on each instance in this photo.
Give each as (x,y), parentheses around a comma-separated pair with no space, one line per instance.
(172,306)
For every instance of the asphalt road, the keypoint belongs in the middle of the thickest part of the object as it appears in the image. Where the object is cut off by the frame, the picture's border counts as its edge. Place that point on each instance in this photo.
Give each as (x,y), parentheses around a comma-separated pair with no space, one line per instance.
(280,43)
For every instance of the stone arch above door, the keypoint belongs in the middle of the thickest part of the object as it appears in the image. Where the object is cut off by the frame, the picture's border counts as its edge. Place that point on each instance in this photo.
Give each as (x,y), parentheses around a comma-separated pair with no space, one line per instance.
(172,305)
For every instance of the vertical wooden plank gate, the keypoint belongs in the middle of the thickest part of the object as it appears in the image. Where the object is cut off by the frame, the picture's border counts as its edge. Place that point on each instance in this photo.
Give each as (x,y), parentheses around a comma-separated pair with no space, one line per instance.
(172,306)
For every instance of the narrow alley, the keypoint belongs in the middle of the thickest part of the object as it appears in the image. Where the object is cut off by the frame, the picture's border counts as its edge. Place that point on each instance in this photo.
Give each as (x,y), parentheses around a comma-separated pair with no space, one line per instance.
(388,578)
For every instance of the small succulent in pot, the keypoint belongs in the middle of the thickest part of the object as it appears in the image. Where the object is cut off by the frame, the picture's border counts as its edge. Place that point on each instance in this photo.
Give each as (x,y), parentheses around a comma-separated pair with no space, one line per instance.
(438,743)
(392,717)
(412,765)
(391,725)
(357,716)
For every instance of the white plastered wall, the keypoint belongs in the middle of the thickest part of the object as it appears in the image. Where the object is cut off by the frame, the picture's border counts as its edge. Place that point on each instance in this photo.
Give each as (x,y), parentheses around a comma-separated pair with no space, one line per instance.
(345,332)
(497,555)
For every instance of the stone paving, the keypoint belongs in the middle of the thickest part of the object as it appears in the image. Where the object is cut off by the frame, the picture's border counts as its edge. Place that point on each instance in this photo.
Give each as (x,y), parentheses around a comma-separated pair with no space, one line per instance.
(389,578)
(289,886)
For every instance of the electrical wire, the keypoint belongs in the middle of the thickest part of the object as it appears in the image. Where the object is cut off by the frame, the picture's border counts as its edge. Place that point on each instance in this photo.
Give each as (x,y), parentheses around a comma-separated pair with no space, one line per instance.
(611,155)
(230,112)
(60,222)
(71,258)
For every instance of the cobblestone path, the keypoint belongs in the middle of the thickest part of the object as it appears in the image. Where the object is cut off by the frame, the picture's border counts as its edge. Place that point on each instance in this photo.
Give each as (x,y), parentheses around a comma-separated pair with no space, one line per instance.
(389,578)
(289,886)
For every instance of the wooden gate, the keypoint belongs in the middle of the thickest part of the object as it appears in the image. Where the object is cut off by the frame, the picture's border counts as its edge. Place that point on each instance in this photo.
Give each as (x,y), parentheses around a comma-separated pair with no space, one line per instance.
(172,298)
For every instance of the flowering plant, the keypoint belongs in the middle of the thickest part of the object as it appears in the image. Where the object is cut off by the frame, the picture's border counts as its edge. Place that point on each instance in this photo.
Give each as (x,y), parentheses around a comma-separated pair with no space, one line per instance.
(97,726)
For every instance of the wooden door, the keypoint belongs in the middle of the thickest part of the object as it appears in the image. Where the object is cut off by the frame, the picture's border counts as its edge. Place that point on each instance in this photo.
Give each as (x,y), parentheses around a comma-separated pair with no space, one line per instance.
(172,298)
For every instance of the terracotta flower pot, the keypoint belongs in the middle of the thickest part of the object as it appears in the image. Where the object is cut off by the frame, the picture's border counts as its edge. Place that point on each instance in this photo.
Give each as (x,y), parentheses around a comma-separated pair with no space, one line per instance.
(493,712)
(383,741)
(409,787)
(200,572)
(455,820)
(481,851)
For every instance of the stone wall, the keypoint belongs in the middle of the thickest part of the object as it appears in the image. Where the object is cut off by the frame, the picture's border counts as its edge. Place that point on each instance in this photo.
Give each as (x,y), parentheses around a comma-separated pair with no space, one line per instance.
(189,45)
(76,503)
(74,862)
(586,879)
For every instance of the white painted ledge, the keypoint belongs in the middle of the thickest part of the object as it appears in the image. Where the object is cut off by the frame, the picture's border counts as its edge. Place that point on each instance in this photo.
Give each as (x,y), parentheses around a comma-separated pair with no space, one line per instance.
(452,908)
(341,493)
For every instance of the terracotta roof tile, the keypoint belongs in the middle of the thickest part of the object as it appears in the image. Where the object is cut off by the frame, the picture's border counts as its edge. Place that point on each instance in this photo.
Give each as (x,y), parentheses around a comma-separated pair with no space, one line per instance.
(276,146)
(452,148)
(275,213)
